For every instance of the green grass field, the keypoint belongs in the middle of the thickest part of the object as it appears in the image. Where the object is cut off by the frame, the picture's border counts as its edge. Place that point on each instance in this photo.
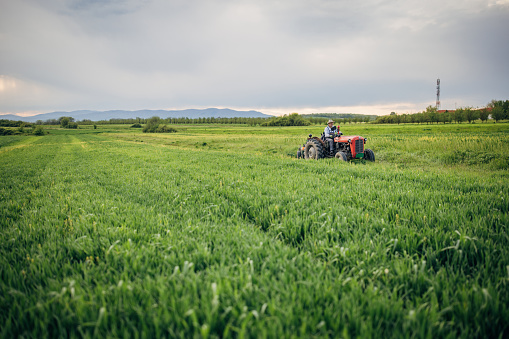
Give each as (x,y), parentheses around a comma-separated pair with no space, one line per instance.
(219,231)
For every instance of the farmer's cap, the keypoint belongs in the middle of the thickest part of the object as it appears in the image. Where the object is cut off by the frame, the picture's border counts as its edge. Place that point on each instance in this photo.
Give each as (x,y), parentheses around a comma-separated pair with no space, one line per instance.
(330,121)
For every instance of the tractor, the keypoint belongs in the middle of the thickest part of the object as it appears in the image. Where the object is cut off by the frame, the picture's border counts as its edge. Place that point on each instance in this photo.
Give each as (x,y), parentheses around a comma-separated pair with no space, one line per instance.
(345,147)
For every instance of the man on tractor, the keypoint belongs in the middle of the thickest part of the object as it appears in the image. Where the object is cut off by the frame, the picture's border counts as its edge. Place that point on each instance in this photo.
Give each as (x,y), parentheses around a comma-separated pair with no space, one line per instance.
(344,148)
(328,133)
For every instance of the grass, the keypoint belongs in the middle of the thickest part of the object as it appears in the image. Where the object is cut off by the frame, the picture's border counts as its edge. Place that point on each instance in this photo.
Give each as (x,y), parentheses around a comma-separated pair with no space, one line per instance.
(120,233)
(481,145)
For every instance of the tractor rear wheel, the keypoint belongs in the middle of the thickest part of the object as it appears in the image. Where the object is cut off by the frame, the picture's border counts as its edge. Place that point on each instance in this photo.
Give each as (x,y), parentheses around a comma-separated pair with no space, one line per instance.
(341,156)
(369,155)
(313,150)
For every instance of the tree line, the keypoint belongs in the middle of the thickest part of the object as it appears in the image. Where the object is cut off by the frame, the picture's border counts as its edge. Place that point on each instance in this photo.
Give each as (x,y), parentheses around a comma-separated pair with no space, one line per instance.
(293,119)
(497,109)
(22,129)
(171,121)
(13,123)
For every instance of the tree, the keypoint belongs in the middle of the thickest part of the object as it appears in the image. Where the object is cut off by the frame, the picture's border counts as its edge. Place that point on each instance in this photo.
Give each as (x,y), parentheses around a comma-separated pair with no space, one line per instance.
(64,122)
(69,119)
(499,109)
(442,117)
(469,114)
(432,113)
(425,117)
(452,114)
(152,125)
(156,125)
(505,106)
(497,113)
(484,114)
(419,118)
(458,115)
(449,117)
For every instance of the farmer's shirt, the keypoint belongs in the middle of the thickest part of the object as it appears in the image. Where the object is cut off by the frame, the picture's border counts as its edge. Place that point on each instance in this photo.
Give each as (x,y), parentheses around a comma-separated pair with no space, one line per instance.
(328,131)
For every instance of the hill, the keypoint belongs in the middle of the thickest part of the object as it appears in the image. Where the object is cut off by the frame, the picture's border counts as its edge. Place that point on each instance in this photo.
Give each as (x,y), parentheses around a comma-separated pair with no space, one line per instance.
(144,114)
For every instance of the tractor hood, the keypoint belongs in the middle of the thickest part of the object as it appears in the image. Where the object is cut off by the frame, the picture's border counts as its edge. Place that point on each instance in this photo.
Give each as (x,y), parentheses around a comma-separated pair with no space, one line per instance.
(356,144)
(345,138)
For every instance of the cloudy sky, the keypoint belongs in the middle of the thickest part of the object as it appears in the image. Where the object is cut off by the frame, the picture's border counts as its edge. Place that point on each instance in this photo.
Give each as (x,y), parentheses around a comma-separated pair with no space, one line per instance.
(361,56)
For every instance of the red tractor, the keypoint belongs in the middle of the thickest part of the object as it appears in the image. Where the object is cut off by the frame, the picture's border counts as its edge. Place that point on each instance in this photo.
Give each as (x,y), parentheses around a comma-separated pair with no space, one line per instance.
(344,148)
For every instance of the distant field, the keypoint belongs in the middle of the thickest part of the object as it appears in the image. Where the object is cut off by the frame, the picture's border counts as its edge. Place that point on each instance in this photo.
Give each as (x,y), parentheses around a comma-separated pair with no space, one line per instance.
(219,231)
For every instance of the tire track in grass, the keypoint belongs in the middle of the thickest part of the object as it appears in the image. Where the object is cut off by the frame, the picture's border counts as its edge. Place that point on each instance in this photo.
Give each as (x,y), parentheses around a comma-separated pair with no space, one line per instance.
(24,142)
(20,171)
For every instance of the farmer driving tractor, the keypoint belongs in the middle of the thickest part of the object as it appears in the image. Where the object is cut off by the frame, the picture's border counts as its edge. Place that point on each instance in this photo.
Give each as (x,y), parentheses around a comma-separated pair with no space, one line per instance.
(329,134)
(344,148)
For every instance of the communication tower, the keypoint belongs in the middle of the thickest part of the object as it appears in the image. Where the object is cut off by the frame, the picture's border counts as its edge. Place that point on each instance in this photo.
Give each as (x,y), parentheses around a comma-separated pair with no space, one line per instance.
(438,94)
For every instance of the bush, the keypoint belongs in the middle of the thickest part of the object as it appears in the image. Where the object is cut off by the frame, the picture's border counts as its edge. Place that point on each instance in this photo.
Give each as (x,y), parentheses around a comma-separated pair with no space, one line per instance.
(158,129)
(150,128)
(67,122)
(6,131)
(155,125)
(165,129)
(64,122)
(136,126)
(152,125)
(38,131)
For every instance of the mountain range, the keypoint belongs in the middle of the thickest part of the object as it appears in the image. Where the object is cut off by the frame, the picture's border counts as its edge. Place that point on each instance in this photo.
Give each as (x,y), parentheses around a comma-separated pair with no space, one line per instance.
(144,114)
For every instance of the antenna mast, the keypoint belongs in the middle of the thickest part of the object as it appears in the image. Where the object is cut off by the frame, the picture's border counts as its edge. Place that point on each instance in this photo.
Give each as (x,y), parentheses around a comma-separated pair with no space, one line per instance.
(438,94)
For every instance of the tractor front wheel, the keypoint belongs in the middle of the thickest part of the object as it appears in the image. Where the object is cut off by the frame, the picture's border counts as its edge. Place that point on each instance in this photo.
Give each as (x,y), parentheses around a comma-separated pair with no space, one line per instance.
(369,155)
(341,156)
(313,150)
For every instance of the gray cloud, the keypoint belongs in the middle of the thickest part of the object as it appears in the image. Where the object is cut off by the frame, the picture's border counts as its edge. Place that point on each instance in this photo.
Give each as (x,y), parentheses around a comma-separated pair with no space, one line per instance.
(61,55)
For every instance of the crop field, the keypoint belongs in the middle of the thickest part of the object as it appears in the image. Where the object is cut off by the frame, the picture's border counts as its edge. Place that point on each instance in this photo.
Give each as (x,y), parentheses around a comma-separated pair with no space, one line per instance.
(219,231)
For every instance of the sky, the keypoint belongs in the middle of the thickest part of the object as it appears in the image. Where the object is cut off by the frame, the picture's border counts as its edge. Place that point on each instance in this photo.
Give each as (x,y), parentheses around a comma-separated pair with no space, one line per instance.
(276,57)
